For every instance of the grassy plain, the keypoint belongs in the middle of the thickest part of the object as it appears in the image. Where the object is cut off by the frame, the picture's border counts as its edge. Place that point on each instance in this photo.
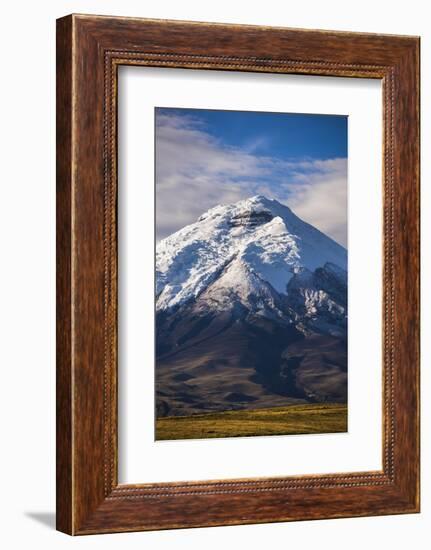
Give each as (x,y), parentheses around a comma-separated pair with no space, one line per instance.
(292,419)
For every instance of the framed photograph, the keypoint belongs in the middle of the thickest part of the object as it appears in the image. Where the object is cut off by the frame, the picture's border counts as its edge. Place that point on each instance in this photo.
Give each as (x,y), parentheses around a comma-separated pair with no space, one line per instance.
(237,274)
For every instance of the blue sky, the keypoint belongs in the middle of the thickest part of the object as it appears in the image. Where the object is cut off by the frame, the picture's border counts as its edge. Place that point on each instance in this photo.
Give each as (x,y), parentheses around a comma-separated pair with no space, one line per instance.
(209,157)
(282,135)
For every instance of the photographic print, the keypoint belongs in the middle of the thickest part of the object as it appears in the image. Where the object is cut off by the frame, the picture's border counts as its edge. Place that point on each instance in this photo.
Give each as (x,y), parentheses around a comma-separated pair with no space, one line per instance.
(251,273)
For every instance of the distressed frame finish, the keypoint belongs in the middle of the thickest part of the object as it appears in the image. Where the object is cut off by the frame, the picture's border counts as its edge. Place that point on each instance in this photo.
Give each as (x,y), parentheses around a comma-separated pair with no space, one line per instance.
(89,51)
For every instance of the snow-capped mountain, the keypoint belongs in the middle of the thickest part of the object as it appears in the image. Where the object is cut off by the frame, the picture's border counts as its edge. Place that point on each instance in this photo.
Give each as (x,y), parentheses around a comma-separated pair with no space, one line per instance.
(251,306)
(251,242)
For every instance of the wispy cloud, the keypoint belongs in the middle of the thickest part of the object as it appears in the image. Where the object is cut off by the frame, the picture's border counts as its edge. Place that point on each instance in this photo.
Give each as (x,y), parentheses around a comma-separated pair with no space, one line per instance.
(195,171)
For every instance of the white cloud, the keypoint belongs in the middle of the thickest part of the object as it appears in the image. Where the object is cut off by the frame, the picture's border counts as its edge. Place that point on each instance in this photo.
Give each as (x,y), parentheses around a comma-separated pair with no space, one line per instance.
(319,196)
(195,171)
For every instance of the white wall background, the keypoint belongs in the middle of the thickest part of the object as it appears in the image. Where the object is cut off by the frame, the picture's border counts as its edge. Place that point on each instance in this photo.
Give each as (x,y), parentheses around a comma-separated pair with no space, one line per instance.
(27,244)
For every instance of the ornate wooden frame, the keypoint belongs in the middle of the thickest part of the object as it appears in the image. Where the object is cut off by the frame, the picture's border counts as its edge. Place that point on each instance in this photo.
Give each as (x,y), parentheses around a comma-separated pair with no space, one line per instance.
(89,51)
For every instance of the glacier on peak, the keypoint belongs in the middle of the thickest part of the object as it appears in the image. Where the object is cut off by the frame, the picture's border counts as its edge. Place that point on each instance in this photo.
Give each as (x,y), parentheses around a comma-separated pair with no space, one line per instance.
(240,284)
(259,234)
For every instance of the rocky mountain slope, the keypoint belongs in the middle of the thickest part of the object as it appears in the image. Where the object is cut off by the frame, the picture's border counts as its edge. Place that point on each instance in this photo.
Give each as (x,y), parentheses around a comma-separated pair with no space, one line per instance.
(251,311)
